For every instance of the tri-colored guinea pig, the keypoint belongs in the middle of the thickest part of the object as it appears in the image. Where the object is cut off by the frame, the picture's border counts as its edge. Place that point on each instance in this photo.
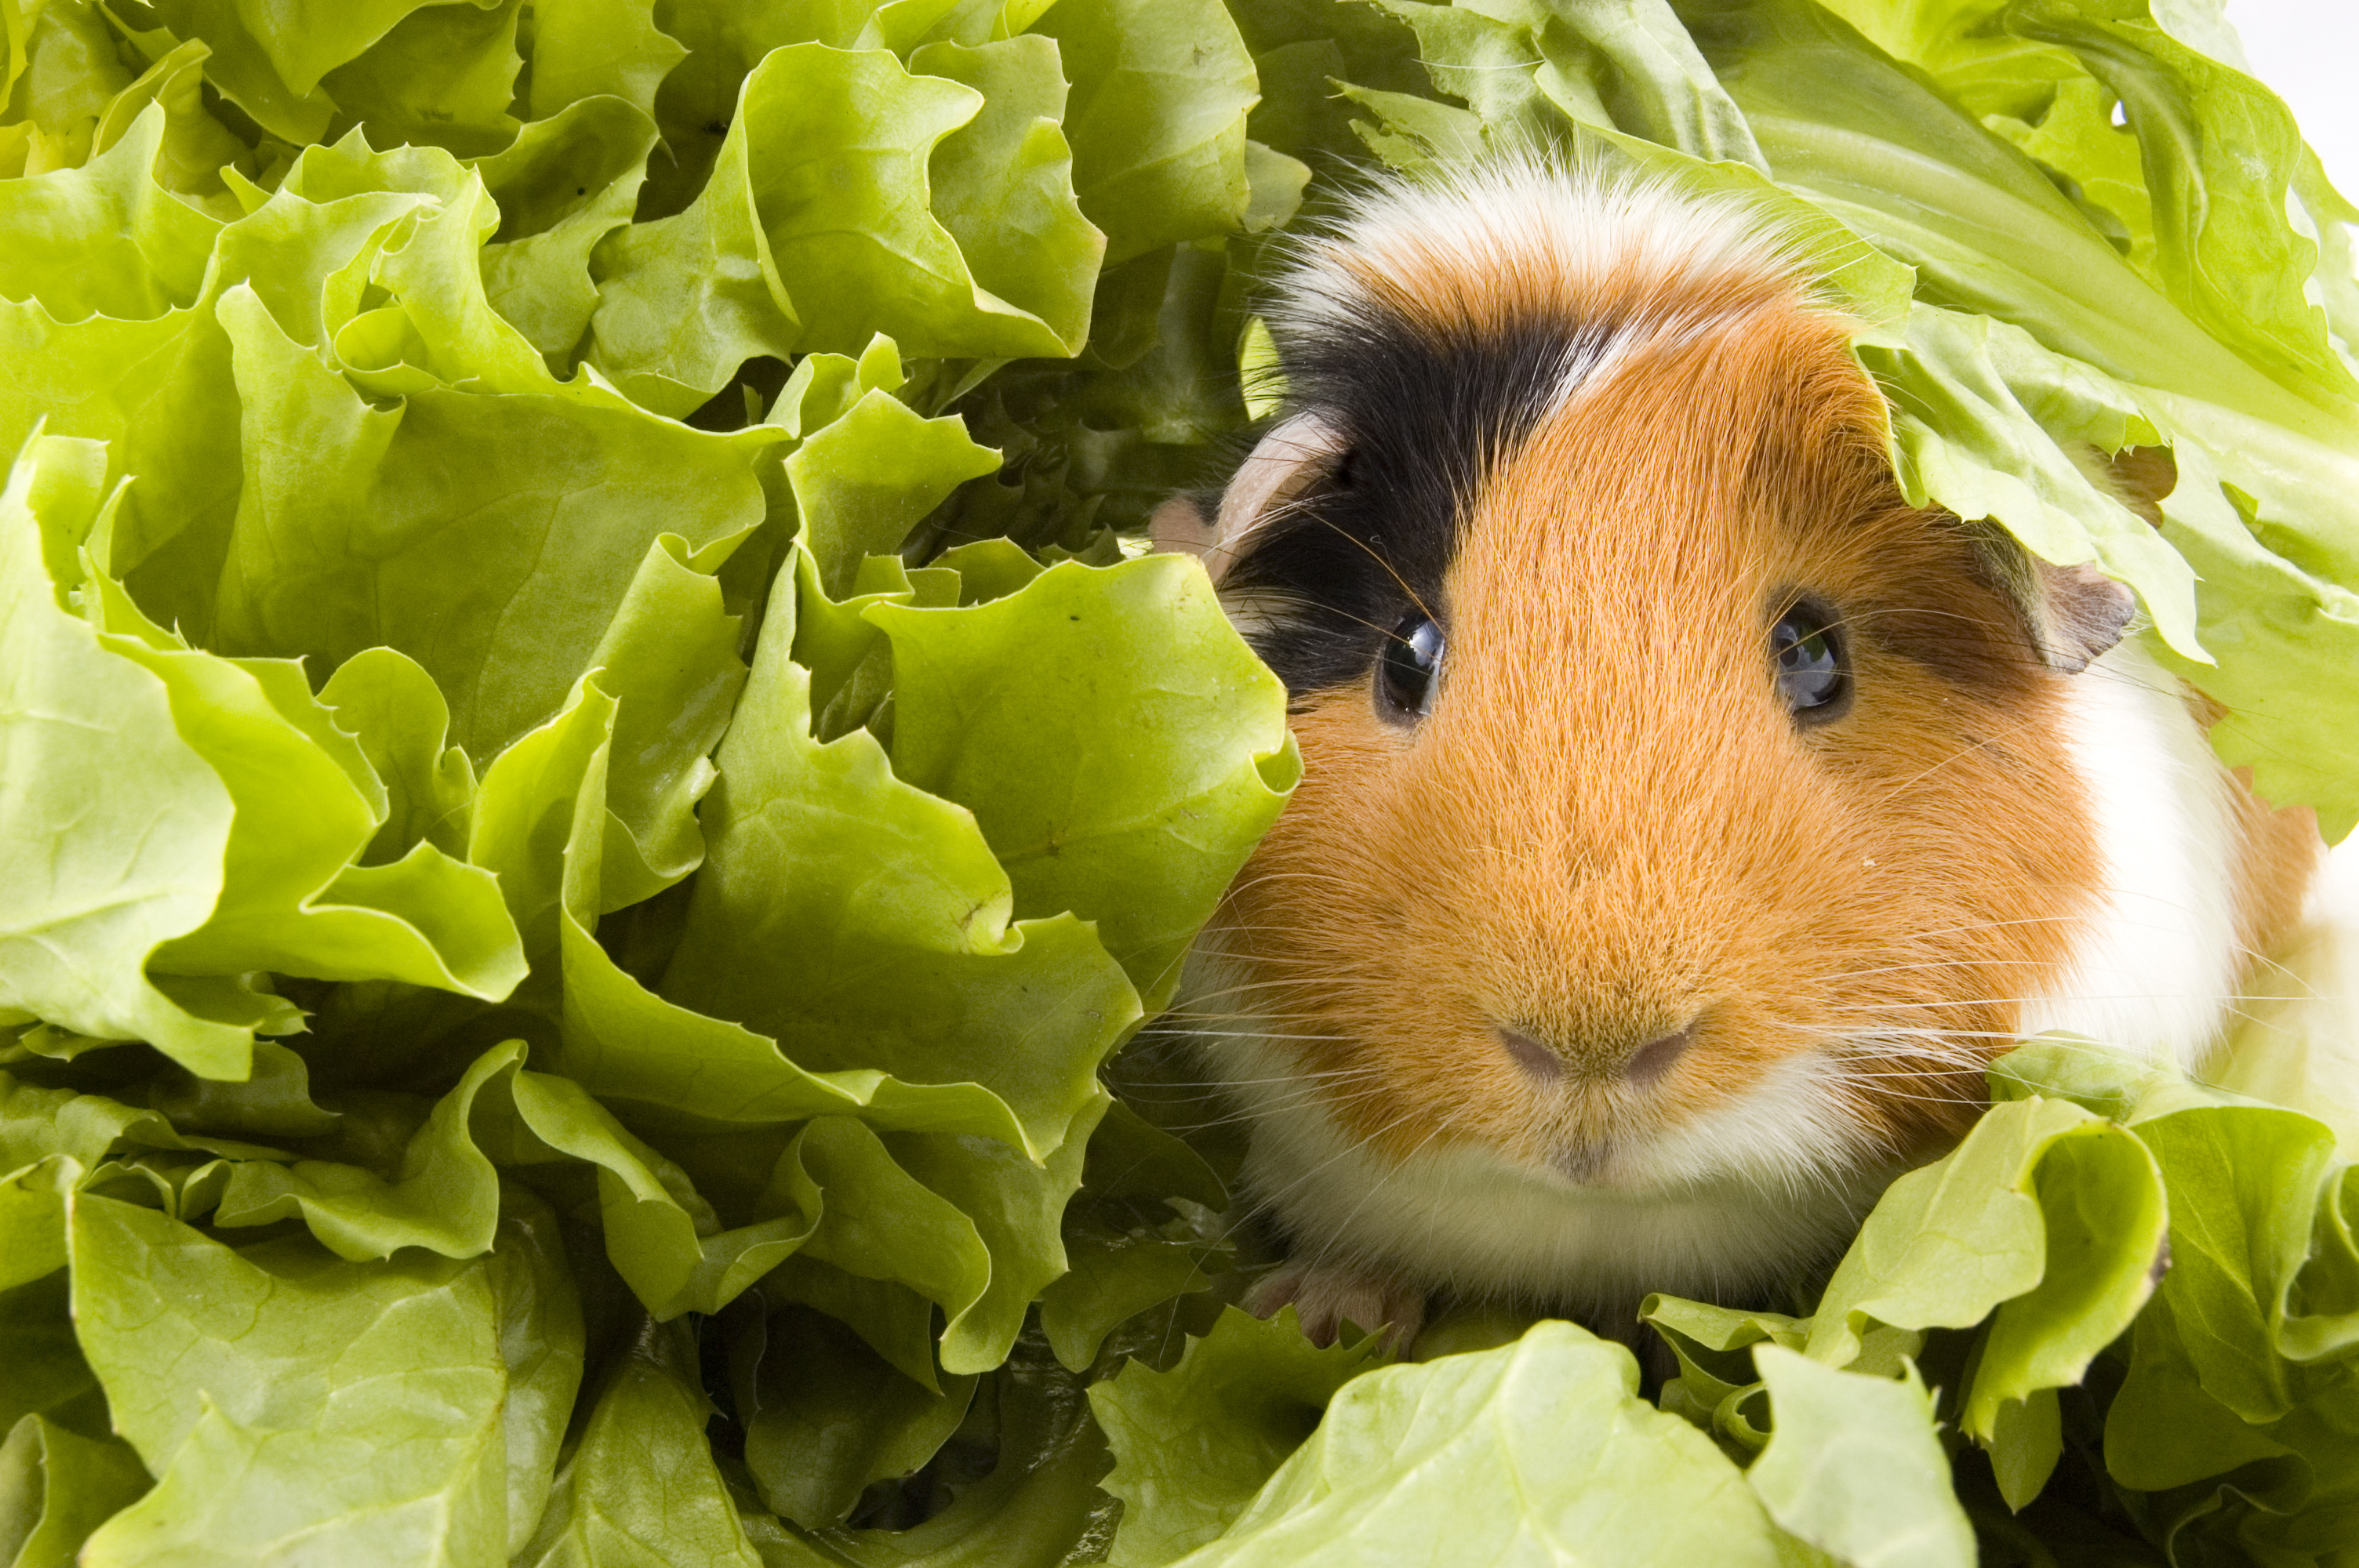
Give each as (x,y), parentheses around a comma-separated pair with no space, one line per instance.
(1686,818)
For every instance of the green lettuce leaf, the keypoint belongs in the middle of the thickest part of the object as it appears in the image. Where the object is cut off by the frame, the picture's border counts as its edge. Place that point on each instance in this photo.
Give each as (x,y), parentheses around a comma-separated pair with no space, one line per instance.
(1985,422)
(307,805)
(1630,67)
(105,238)
(639,1488)
(63,71)
(1038,1506)
(1496,1455)
(983,695)
(899,951)
(1158,118)
(236,1375)
(1855,1468)
(591,49)
(1195,1444)
(809,187)
(49,1377)
(442,76)
(56,1485)
(563,185)
(825,1416)
(142,864)
(1144,1232)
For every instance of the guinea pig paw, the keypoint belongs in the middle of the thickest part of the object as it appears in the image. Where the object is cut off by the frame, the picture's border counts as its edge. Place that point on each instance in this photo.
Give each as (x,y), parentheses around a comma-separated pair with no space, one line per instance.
(1326,1296)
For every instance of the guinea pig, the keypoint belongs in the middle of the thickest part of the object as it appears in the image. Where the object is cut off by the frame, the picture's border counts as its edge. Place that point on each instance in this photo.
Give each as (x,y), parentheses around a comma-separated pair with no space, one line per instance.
(1686,819)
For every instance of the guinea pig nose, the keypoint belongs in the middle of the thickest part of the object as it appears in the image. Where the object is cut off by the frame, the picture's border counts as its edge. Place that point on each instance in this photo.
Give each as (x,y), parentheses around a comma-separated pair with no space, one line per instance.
(1650,1062)
(1532,1056)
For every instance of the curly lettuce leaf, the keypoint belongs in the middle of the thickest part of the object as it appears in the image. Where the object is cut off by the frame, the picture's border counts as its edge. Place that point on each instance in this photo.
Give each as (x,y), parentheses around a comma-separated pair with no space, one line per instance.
(56,1485)
(281,1356)
(1157,118)
(901,950)
(1985,423)
(901,1213)
(639,1489)
(1029,676)
(1525,1450)
(1630,67)
(826,1416)
(806,236)
(1037,1507)
(1195,1444)
(1855,1468)
(307,805)
(563,185)
(1144,1232)
(93,887)
(591,49)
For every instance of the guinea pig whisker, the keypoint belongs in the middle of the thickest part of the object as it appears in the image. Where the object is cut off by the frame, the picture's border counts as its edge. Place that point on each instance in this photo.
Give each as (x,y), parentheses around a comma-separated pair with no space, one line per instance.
(2265,961)
(1923,963)
(1267,875)
(1246,930)
(1288,1079)
(1958,755)
(1961,1051)
(1306,507)
(1305,1093)
(1257,1013)
(1262,1034)
(1258,1021)
(1927,1060)
(1353,1146)
(1249,959)
(1997,1001)
(1960,931)
(1913,1045)
(1199,1025)
(1909,1075)
(1931,1100)
(1374,1188)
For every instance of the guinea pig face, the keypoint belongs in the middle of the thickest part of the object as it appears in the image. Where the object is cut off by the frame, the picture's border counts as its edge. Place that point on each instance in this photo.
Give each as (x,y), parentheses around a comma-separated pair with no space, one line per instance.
(1680,805)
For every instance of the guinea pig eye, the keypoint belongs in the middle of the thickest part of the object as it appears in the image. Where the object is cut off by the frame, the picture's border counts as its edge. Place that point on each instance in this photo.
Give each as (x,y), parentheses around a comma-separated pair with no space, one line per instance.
(1410,666)
(1813,675)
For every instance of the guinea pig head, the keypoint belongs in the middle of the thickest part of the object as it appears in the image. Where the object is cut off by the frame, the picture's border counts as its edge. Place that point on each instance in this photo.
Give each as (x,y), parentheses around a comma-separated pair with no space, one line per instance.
(1679,803)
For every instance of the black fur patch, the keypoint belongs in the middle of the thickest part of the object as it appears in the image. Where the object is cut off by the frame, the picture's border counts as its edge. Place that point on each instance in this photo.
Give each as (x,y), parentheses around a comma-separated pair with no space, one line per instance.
(1424,416)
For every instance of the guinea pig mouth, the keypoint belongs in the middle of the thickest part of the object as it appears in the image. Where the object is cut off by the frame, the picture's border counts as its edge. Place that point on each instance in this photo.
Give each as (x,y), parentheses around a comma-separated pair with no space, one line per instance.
(1587,1165)
(1613,1159)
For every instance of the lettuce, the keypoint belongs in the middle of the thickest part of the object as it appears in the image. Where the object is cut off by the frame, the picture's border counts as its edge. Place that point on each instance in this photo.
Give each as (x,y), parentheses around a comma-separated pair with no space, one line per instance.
(596,795)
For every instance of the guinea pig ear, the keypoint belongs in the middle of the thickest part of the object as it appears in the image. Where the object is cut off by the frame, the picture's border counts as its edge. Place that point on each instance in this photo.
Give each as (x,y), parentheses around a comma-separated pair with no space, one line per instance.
(1184,524)
(1298,453)
(2074,613)
(2082,613)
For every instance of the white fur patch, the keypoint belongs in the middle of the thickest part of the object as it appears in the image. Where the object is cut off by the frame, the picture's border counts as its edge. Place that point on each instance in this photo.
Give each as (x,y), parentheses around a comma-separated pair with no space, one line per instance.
(2159,965)
(1533,216)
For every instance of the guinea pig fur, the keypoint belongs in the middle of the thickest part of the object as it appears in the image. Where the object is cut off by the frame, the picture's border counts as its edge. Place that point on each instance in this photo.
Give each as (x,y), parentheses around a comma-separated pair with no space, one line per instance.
(1686,819)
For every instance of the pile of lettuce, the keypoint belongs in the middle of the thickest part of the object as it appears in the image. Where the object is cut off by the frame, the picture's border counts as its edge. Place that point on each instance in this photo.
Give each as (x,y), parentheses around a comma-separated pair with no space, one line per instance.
(596,793)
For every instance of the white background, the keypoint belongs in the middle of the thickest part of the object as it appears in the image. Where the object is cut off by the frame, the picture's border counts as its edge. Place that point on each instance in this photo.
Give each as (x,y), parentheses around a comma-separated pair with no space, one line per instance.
(2308,51)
